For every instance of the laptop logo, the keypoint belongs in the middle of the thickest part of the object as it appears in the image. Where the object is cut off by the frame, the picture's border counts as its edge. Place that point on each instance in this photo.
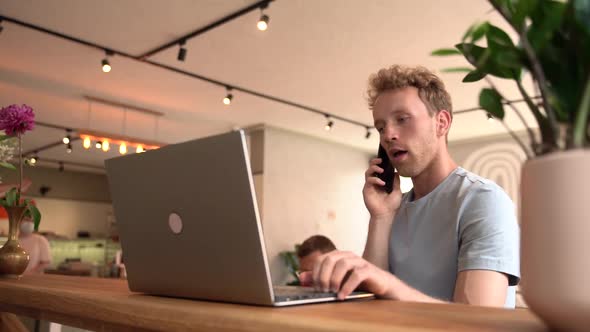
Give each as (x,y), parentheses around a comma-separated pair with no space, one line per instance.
(175,223)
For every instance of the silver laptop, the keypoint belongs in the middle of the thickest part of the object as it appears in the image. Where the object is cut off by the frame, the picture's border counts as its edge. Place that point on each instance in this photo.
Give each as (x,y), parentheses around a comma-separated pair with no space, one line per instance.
(189,224)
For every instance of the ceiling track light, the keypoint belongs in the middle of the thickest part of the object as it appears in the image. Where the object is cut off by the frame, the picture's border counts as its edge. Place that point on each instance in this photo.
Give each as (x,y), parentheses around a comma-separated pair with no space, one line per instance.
(68,138)
(181,51)
(106,66)
(34,159)
(262,24)
(329,124)
(228,98)
(98,145)
(69,149)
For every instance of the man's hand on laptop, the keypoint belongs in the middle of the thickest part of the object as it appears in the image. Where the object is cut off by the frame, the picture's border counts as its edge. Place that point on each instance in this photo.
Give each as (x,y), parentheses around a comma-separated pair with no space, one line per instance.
(343,272)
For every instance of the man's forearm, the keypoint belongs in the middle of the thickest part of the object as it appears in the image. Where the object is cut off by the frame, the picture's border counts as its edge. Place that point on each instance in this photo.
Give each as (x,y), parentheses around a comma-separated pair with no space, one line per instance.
(377,246)
(400,291)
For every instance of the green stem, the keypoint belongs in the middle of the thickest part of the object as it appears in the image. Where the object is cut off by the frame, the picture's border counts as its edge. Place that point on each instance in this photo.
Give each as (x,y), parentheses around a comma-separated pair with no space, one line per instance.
(581,123)
(20,167)
(517,139)
(547,135)
(536,71)
(528,129)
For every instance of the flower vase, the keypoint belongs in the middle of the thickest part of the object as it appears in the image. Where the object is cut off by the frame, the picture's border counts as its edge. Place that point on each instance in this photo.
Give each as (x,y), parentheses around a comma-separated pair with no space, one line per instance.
(13,258)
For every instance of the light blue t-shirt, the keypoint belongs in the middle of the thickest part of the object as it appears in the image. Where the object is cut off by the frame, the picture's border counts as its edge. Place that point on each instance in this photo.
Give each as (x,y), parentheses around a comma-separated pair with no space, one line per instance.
(466,223)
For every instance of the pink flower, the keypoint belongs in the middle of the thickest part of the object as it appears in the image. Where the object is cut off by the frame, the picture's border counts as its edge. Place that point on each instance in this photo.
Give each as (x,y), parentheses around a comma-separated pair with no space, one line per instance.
(16,120)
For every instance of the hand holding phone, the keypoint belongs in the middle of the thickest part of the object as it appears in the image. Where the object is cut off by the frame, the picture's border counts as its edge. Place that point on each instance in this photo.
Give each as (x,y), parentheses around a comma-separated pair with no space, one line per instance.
(388,173)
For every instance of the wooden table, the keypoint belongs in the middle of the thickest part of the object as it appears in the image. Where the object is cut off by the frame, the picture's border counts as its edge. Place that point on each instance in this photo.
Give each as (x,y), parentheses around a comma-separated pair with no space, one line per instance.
(108,305)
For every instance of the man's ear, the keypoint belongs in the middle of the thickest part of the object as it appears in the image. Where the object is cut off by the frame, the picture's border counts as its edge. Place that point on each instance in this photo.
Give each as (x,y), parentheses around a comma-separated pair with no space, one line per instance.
(443,119)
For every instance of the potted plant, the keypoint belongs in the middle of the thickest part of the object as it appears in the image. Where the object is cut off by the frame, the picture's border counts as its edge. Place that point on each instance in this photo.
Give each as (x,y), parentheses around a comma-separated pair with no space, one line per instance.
(553,46)
(15,121)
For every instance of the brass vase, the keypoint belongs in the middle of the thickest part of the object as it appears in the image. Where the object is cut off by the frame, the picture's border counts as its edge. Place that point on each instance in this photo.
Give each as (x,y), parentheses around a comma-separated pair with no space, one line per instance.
(13,258)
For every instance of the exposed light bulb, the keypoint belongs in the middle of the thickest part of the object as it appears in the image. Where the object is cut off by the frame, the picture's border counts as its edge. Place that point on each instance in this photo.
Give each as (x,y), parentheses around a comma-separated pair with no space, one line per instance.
(106,66)
(98,144)
(227,100)
(66,139)
(123,148)
(86,144)
(105,146)
(263,23)
(329,125)
(69,149)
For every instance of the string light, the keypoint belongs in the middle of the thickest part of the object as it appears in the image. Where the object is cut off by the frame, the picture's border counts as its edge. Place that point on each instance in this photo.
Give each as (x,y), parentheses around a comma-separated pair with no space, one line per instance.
(98,145)
(329,124)
(69,149)
(105,146)
(86,143)
(123,148)
(34,159)
(68,138)
(106,66)
(181,51)
(228,98)
(263,20)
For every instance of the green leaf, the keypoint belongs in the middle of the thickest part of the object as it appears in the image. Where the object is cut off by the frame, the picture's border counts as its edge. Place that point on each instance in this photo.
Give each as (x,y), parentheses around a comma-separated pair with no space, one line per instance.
(486,61)
(479,31)
(5,137)
(35,215)
(445,52)
(546,21)
(491,101)
(473,76)
(457,70)
(7,165)
(496,37)
(11,197)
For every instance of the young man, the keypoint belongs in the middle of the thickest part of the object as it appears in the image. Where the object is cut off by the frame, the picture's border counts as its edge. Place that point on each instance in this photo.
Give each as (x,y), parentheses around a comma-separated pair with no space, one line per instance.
(454,237)
(311,249)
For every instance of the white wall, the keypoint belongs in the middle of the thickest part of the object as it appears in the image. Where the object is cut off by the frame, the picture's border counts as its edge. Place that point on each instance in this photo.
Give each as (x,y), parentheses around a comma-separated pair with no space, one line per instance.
(67,217)
(311,187)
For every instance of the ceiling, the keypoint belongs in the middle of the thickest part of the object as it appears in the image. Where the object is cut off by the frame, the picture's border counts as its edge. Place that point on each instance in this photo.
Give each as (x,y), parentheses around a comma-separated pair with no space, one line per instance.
(315,53)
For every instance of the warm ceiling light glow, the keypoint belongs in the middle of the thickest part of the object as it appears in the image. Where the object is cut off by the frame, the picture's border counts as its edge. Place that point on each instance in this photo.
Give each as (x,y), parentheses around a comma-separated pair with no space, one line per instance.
(262,23)
(106,66)
(123,148)
(105,146)
(227,99)
(66,140)
(86,143)
(329,125)
(139,149)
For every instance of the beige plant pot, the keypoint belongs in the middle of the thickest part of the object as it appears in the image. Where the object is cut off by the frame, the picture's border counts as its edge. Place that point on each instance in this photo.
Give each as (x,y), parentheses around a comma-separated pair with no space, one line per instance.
(555,252)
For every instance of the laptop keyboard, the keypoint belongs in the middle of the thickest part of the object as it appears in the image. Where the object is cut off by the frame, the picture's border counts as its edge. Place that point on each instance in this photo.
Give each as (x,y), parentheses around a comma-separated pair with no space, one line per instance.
(294,293)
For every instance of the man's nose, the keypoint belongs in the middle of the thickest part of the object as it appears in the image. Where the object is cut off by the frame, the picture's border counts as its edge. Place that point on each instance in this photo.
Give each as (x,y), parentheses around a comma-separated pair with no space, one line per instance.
(390,133)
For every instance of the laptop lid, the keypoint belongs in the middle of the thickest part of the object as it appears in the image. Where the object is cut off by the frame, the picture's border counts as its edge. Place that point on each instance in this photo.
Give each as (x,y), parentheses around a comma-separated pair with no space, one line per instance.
(189,223)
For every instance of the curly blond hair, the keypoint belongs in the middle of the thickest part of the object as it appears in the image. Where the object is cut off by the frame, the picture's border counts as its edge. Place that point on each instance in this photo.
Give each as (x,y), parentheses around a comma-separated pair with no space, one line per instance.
(431,89)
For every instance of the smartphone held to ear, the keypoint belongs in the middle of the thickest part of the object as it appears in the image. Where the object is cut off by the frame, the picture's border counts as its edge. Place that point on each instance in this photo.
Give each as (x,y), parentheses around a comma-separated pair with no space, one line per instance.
(387,175)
